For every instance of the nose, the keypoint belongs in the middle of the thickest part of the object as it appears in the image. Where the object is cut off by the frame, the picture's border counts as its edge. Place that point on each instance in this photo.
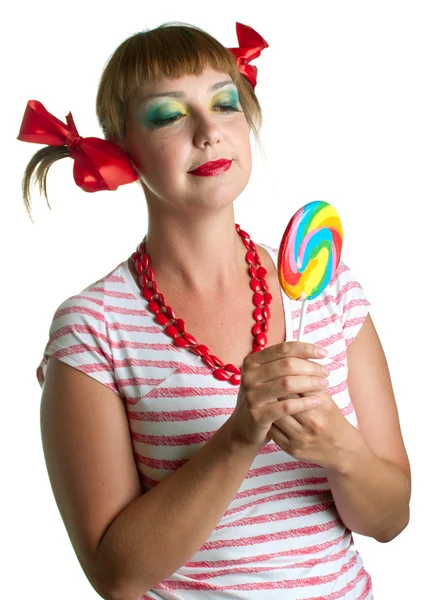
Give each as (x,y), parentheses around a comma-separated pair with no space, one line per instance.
(206,130)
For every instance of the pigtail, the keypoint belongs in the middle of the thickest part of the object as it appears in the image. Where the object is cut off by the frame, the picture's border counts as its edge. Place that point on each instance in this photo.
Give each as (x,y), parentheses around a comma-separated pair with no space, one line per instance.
(37,170)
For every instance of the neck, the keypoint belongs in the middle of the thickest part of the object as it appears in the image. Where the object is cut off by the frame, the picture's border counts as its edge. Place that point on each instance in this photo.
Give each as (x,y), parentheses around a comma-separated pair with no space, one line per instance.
(204,257)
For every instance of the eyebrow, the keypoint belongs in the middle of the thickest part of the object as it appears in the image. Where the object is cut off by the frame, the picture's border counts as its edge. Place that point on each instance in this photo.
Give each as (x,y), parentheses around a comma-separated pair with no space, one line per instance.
(212,88)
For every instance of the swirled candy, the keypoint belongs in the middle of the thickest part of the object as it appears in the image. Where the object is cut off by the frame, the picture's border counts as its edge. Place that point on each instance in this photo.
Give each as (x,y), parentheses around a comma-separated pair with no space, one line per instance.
(310,250)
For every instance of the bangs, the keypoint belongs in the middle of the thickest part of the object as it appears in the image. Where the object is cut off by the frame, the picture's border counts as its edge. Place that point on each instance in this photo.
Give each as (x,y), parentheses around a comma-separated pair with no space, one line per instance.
(171,52)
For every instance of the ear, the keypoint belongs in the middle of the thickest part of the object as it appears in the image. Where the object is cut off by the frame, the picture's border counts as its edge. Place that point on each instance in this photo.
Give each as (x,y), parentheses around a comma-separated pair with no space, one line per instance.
(137,168)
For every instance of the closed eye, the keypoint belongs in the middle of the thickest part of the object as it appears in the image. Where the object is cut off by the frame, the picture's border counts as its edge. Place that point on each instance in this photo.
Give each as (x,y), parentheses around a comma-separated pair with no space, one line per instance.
(177,116)
(229,107)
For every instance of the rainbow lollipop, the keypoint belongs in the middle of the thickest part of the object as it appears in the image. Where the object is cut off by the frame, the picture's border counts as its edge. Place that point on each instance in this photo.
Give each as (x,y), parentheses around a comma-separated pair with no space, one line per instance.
(309,252)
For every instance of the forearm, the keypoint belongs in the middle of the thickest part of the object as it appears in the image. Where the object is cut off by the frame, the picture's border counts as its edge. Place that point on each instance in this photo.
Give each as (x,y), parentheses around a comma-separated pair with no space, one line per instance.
(160,531)
(371,494)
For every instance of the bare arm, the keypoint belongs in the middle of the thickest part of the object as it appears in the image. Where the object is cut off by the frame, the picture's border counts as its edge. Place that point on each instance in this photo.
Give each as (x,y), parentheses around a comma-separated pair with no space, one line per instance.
(160,531)
(372,488)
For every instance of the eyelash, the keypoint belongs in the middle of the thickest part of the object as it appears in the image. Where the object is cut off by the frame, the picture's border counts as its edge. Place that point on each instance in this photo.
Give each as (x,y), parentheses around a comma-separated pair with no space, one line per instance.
(227,107)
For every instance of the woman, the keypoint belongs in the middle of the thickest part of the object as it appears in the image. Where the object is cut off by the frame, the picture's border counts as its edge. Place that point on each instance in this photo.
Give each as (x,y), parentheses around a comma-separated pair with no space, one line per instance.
(207,453)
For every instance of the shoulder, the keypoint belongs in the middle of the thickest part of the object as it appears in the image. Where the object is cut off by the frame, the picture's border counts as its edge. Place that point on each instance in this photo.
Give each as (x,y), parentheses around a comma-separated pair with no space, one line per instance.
(89,303)
(348,299)
(78,333)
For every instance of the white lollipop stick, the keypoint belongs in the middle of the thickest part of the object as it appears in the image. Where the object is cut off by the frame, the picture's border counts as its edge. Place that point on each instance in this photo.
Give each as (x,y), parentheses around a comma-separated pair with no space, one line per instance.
(302,318)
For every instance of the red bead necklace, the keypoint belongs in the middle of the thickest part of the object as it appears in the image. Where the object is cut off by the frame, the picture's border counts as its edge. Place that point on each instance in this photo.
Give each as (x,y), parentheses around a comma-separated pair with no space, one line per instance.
(176,329)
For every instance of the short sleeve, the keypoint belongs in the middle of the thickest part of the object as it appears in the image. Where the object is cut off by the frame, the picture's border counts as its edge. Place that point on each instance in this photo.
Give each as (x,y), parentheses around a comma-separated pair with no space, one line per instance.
(352,304)
(78,337)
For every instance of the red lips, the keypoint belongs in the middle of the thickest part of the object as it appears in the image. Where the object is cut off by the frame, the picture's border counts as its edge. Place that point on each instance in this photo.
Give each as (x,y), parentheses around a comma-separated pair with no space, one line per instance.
(212,168)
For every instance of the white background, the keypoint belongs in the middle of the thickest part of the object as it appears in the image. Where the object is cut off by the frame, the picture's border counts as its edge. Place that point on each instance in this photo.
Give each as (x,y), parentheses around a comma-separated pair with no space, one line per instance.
(341,87)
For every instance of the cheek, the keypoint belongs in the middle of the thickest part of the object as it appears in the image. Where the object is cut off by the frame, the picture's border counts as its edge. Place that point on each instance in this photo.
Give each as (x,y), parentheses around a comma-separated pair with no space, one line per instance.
(165,157)
(244,146)
(162,163)
(154,155)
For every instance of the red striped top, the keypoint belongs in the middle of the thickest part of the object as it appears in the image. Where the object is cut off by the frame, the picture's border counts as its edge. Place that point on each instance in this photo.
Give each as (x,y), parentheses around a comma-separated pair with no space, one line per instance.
(281,536)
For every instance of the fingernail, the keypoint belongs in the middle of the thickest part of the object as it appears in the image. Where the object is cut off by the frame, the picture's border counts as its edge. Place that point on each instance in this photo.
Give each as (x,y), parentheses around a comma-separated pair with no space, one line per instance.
(321,352)
(323,382)
(325,370)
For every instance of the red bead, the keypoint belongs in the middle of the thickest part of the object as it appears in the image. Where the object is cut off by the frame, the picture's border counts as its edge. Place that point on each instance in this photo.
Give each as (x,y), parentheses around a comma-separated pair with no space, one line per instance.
(268,298)
(150,274)
(134,256)
(257,329)
(154,307)
(243,233)
(145,261)
(204,350)
(209,361)
(264,285)
(190,339)
(180,325)
(246,243)
(255,285)
(221,374)
(172,331)
(262,272)
(253,247)
(161,300)
(162,318)
(266,311)
(147,293)
(181,342)
(261,339)
(235,379)
(250,258)
(138,267)
(258,299)
(232,368)
(195,350)
(217,361)
(252,271)
(170,312)
(265,326)
(154,287)
(258,314)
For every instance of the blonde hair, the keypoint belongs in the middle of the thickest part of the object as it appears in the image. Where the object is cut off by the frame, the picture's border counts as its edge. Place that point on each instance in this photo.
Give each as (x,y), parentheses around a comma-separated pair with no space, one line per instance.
(170,50)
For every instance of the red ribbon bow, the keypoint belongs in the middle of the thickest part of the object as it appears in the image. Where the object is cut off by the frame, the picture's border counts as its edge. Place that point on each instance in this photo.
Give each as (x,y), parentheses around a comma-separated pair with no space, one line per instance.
(251,45)
(98,164)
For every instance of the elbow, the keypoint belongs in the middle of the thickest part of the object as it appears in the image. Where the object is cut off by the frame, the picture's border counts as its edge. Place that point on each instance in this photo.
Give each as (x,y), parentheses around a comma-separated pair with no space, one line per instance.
(112,583)
(391,534)
(124,591)
(121,594)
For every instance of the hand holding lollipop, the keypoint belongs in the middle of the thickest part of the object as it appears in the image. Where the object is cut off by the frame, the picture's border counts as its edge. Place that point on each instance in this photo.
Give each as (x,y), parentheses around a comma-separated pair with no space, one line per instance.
(309,252)
(308,258)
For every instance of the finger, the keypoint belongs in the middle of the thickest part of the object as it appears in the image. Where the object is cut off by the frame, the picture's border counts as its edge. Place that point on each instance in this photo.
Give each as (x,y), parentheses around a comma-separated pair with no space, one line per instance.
(291,365)
(296,416)
(299,349)
(296,384)
(290,426)
(304,417)
(279,437)
(288,407)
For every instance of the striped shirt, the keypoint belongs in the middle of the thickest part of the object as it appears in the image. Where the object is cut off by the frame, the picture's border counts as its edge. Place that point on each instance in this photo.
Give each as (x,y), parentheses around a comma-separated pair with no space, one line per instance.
(281,536)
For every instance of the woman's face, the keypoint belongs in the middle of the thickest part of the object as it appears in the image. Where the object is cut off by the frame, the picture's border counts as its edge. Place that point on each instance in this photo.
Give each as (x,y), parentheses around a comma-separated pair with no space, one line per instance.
(176,125)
